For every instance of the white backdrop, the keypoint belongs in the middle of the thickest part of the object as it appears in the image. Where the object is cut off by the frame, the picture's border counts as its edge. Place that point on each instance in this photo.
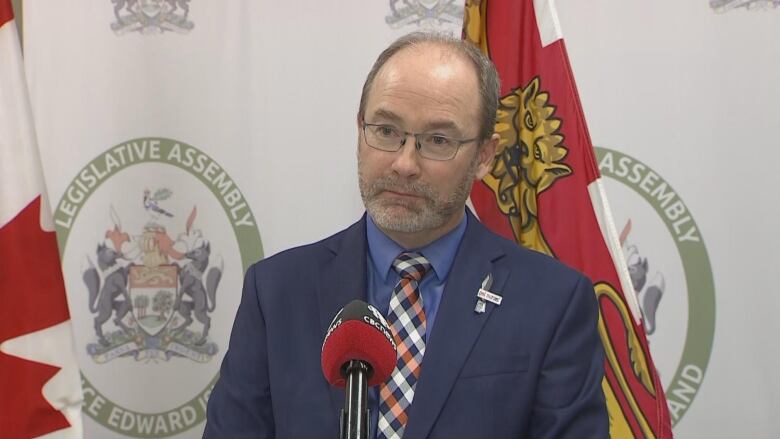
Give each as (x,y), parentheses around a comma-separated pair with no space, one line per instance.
(269,91)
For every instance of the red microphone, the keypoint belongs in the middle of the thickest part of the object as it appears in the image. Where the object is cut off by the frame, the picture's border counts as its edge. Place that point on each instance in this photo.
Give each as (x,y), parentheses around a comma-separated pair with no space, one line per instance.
(359,351)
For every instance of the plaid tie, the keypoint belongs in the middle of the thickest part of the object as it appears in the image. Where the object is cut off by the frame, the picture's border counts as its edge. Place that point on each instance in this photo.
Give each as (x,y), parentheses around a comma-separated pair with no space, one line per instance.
(407,319)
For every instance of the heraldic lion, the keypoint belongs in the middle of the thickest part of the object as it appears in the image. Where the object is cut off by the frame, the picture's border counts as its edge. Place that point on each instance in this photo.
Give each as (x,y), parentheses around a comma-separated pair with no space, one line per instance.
(528,161)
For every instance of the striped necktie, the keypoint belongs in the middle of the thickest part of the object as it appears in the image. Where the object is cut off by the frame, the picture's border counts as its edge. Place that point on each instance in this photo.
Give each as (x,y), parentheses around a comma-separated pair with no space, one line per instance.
(407,320)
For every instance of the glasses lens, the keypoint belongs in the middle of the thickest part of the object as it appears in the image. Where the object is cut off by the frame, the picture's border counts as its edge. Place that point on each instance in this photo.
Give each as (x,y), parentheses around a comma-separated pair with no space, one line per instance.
(384,137)
(437,147)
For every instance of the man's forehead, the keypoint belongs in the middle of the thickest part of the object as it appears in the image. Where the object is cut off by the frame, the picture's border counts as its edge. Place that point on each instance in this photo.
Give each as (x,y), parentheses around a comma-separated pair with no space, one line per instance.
(426,87)
(387,115)
(433,70)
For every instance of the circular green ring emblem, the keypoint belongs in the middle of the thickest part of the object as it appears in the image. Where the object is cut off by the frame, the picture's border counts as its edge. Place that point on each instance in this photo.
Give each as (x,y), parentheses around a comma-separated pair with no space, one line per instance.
(700,332)
(204,168)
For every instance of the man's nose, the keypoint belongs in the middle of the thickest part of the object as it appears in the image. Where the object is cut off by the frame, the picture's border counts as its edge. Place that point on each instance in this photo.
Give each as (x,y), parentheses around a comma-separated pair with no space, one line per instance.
(407,159)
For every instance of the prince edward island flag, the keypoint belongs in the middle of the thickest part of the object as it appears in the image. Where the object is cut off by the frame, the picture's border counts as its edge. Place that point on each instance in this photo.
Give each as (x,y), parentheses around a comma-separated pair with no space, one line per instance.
(544,192)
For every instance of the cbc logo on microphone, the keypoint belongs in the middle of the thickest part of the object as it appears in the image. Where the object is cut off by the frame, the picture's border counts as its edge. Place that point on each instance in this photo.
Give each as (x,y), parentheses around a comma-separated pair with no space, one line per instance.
(378,315)
(380,324)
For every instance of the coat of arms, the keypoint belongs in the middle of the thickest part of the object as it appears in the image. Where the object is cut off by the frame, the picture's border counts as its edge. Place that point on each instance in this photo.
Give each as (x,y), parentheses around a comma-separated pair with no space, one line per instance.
(152,289)
(424,13)
(151,16)
(727,5)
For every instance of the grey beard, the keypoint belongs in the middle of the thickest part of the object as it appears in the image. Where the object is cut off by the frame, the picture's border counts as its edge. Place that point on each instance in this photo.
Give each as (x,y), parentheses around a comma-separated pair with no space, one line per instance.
(434,212)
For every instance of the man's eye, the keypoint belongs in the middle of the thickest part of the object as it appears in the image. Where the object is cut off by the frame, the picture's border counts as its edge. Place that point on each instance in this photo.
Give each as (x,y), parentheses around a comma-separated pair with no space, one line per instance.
(439,140)
(386,131)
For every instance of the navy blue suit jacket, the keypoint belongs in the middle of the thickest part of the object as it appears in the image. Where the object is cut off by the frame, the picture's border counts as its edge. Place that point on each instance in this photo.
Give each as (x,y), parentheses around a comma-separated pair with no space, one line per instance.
(529,368)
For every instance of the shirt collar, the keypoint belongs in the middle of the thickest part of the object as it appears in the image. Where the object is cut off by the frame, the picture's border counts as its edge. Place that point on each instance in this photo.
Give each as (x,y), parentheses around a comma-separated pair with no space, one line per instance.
(440,253)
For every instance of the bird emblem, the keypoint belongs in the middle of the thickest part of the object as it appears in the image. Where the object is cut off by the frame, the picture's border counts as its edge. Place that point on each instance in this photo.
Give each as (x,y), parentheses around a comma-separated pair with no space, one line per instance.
(150,202)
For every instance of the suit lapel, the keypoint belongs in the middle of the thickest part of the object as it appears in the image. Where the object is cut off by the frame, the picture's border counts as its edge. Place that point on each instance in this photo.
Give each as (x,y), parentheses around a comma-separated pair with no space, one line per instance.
(457,326)
(341,280)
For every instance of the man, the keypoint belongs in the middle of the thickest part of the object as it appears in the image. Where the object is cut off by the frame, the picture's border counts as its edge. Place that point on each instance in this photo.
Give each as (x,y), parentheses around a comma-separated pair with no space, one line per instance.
(527,364)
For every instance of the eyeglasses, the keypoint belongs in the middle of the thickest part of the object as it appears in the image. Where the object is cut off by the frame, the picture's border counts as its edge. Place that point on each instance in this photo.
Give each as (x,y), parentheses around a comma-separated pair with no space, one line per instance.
(431,146)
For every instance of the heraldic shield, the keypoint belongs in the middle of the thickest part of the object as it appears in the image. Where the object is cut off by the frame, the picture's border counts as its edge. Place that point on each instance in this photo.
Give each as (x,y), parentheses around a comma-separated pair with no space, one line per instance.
(164,285)
(152,8)
(154,292)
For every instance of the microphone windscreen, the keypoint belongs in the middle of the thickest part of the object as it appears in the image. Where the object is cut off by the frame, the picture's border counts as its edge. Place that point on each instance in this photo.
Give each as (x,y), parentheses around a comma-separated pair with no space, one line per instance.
(358,332)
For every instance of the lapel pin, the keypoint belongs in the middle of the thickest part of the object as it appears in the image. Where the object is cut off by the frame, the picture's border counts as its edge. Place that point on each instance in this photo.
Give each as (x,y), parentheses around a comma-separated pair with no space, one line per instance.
(490,297)
(484,295)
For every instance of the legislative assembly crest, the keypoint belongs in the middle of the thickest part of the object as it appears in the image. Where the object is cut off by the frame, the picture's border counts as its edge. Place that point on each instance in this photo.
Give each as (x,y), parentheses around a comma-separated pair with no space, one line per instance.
(155,236)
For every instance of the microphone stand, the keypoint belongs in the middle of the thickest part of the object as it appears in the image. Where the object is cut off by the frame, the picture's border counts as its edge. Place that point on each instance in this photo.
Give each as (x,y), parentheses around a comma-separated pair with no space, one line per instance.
(354,415)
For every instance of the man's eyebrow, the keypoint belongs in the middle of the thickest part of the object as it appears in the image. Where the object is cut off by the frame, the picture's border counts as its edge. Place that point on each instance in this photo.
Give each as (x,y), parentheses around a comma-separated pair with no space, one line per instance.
(388,115)
(442,125)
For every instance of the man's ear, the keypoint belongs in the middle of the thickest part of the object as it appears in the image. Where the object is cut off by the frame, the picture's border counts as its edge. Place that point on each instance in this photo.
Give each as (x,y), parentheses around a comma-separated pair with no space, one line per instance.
(486,156)
(359,124)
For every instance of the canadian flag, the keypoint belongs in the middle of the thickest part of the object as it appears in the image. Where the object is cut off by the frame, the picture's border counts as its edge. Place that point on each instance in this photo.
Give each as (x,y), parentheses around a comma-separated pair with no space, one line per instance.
(40,390)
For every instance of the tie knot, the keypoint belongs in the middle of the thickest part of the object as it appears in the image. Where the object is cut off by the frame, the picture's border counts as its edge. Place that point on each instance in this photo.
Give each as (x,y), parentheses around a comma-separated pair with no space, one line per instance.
(411,266)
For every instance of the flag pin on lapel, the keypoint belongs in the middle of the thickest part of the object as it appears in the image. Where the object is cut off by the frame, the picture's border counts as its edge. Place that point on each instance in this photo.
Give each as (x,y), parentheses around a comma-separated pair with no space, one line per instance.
(484,296)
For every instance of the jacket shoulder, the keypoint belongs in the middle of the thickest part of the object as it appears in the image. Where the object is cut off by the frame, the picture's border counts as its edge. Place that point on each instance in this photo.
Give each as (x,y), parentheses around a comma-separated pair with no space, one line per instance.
(531,266)
(304,257)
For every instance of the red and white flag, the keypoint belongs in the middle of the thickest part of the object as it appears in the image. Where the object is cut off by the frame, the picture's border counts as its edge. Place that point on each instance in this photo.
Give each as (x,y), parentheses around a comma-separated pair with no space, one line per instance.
(40,390)
(545,192)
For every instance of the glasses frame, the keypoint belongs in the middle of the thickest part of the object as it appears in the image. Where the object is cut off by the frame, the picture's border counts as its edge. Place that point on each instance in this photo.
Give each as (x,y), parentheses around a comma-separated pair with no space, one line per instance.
(417,144)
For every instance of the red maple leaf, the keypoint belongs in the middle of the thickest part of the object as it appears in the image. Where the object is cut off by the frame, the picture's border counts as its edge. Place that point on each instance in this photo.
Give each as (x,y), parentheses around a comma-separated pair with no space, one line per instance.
(6,12)
(32,293)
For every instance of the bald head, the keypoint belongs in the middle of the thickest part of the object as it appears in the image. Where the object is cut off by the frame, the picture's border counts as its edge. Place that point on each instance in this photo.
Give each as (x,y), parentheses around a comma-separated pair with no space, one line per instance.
(441,48)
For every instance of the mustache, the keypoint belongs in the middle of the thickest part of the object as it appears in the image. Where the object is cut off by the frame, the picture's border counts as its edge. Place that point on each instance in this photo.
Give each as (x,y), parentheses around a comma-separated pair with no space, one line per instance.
(394,184)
